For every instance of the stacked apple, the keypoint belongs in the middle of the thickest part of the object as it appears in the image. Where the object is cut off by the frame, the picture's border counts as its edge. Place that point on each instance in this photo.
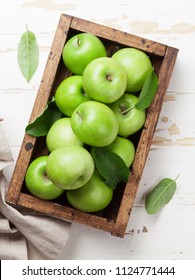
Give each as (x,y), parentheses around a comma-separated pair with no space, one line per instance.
(97,102)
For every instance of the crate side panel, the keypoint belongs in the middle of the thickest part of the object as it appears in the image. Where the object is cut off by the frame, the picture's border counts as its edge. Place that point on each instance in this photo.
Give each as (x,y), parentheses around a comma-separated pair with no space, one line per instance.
(119,37)
(64,212)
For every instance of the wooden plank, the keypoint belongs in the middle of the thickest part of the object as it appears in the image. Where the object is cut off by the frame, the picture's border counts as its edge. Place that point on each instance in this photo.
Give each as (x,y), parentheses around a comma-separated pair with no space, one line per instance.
(64,212)
(119,37)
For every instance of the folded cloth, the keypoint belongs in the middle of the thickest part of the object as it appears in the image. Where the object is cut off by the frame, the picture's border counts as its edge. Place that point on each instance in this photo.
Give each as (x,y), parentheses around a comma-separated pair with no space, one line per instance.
(26,235)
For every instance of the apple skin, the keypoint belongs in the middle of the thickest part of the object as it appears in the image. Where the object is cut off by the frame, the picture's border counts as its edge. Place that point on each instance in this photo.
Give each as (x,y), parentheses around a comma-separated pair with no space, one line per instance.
(131,121)
(70,94)
(104,80)
(70,167)
(81,49)
(94,196)
(94,123)
(123,147)
(37,181)
(61,135)
(137,66)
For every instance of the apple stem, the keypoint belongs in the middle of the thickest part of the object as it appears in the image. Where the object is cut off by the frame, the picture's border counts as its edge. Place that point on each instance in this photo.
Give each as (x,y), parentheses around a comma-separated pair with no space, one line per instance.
(79,115)
(127,110)
(45,176)
(78,41)
(109,78)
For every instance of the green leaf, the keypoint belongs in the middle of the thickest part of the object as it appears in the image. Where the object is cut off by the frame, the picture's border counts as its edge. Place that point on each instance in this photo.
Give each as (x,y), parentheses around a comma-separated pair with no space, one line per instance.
(148,91)
(28,54)
(41,125)
(110,166)
(160,195)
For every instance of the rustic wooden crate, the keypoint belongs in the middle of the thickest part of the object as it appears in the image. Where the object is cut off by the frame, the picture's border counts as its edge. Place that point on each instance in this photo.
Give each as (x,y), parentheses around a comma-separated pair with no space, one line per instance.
(115,217)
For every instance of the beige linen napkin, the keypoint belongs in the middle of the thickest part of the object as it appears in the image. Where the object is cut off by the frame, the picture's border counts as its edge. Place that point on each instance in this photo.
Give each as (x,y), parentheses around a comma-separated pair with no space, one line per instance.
(26,235)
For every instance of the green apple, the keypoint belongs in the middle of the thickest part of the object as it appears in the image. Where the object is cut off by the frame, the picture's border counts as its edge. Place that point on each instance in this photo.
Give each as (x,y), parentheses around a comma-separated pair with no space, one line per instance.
(94,123)
(94,196)
(123,147)
(70,167)
(81,49)
(137,66)
(61,135)
(70,94)
(37,181)
(130,118)
(104,80)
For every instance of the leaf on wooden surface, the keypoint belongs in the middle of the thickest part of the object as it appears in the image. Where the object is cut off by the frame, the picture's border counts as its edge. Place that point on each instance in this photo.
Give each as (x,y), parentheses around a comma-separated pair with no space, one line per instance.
(41,125)
(160,195)
(148,91)
(111,167)
(28,54)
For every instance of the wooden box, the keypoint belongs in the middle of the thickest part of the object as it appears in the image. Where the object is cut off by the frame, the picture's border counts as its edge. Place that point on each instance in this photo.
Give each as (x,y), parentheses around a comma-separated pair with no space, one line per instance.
(115,217)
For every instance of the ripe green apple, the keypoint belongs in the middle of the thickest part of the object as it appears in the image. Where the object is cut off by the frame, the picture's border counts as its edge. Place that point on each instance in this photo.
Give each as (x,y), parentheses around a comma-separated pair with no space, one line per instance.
(130,118)
(123,147)
(81,49)
(137,66)
(104,80)
(61,135)
(94,196)
(94,123)
(37,181)
(70,167)
(70,94)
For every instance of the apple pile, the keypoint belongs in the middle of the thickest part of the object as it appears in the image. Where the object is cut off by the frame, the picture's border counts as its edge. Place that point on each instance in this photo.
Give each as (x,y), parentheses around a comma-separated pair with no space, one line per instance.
(98,106)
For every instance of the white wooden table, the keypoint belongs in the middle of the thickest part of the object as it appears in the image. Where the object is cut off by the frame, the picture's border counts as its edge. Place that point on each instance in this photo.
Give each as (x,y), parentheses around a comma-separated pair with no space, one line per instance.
(170,234)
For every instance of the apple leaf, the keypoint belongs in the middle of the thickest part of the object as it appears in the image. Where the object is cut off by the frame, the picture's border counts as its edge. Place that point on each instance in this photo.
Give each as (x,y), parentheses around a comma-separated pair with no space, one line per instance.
(28,54)
(41,125)
(160,195)
(148,91)
(111,167)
